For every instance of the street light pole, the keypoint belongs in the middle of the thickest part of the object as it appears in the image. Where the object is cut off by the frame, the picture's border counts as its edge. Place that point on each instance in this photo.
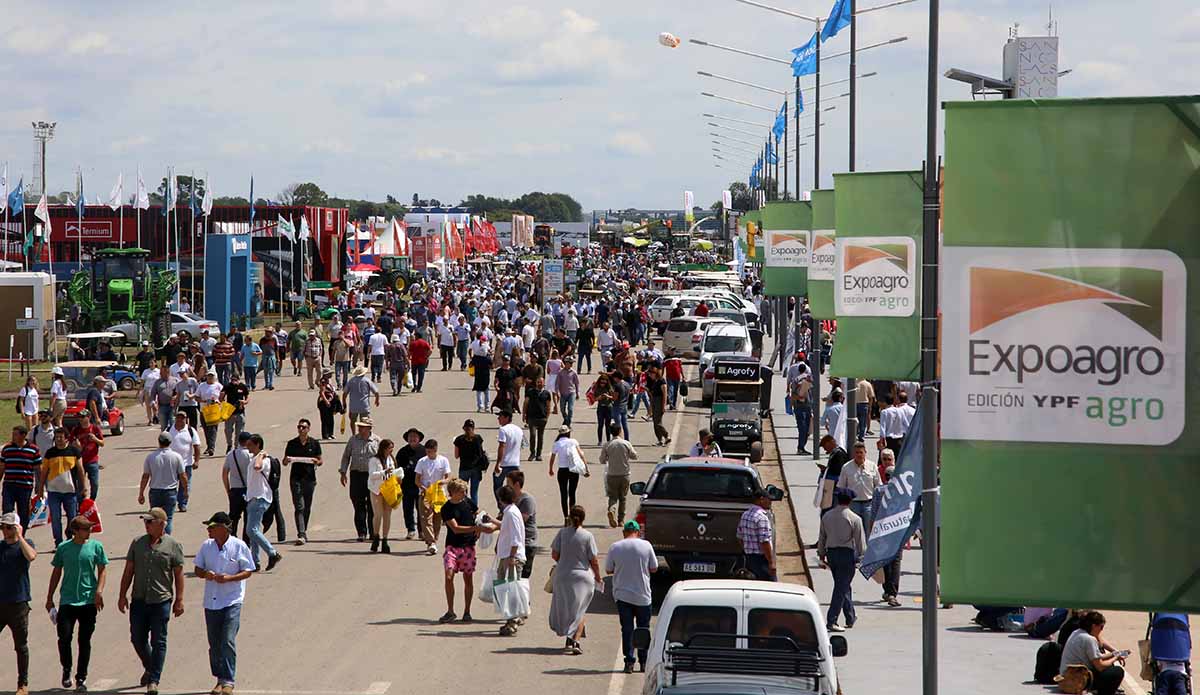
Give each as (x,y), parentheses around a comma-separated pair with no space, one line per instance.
(851,399)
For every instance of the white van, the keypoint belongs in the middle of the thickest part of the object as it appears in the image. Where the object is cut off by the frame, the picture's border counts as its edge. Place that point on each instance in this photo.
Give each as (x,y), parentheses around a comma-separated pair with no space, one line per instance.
(733,633)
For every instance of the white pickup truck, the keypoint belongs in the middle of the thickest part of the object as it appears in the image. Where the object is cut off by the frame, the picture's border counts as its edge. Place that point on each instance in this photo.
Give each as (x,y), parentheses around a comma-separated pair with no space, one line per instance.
(737,637)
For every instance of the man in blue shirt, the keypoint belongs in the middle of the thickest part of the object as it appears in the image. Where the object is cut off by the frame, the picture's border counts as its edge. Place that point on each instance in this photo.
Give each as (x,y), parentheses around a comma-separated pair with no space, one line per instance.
(15,556)
(224,562)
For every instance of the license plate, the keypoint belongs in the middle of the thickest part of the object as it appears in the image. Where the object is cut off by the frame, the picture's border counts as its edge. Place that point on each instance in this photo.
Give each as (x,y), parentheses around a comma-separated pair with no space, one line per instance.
(700,567)
(735,439)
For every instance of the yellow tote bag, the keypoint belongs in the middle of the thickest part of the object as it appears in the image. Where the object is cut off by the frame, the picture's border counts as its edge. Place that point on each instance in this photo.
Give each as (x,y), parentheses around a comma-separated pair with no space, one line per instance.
(390,492)
(214,414)
(470,370)
(435,495)
(343,426)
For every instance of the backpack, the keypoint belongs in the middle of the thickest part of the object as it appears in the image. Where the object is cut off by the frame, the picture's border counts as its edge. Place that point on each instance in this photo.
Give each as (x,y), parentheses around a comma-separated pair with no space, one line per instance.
(1045,668)
(276,473)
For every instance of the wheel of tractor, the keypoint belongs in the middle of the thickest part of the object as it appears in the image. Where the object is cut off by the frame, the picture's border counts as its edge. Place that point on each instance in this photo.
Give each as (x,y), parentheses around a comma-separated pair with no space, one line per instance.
(400,283)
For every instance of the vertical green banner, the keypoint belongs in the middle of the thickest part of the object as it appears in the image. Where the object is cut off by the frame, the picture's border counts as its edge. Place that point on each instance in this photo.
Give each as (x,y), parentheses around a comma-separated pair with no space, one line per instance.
(786,248)
(1071,456)
(821,269)
(876,293)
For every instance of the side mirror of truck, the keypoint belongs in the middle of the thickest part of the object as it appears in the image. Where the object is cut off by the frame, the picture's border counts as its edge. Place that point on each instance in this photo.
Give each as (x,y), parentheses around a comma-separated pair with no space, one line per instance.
(837,644)
(637,488)
(641,638)
(774,493)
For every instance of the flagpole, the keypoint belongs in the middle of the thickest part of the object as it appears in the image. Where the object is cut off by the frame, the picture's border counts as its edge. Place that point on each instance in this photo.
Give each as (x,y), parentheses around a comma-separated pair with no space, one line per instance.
(192,239)
(79,205)
(167,218)
(204,245)
(178,263)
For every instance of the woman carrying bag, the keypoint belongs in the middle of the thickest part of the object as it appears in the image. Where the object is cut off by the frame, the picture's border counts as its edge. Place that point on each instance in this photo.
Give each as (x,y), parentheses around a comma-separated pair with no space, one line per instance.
(567,453)
(381,467)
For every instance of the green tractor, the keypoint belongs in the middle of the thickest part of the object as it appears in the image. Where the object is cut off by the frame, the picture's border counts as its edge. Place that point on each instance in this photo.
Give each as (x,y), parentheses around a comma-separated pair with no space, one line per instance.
(122,288)
(395,275)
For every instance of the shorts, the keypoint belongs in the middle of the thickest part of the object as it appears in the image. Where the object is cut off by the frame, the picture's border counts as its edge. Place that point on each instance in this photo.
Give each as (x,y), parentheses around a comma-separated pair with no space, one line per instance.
(459,559)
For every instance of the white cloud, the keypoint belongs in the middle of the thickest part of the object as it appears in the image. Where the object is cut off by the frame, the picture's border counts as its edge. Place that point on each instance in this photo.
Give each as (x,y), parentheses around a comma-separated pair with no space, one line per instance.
(401,84)
(536,47)
(130,143)
(629,143)
(90,42)
(538,149)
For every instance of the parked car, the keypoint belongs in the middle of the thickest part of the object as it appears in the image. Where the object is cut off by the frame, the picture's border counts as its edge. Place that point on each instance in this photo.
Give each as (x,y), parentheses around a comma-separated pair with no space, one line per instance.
(738,637)
(689,511)
(683,334)
(725,339)
(662,307)
(734,315)
(191,323)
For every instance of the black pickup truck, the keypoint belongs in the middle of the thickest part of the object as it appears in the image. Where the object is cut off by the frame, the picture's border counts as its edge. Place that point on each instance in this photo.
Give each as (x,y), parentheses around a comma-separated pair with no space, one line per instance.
(690,510)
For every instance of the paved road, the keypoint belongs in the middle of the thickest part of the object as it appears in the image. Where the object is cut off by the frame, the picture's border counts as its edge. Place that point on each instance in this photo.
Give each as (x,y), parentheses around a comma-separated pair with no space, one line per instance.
(334,619)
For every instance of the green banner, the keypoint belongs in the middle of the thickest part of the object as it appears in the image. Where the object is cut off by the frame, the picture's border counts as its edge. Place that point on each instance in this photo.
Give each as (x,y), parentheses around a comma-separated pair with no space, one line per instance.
(876,291)
(820,263)
(786,248)
(1069,469)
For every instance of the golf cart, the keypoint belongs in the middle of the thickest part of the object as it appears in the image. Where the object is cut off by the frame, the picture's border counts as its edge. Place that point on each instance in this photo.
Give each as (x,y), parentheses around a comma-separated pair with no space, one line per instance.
(78,374)
(736,417)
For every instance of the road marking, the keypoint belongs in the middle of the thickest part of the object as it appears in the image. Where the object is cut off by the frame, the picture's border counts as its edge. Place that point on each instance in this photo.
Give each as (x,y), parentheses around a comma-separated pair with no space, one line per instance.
(616,682)
(678,419)
(377,688)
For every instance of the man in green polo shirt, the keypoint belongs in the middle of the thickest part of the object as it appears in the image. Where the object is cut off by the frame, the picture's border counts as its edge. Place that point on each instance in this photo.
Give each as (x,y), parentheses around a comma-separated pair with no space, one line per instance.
(154,568)
(81,565)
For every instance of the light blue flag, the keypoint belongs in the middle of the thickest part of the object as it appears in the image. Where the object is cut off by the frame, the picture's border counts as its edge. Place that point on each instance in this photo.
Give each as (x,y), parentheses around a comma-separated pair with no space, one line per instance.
(799,101)
(16,199)
(804,61)
(79,204)
(780,123)
(772,156)
(839,18)
(251,200)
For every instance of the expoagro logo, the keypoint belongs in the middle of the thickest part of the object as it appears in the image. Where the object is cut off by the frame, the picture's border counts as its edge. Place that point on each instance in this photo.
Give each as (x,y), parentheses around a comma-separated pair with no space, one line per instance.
(787,248)
(823,257)
(1066,345)
(877,276)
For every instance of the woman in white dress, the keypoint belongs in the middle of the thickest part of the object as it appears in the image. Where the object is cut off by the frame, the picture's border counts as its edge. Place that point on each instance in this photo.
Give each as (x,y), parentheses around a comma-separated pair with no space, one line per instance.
(58,396)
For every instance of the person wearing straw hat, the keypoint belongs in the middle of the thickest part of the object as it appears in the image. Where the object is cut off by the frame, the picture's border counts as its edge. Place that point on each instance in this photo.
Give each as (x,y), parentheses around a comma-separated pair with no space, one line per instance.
(355,472)
(357,393)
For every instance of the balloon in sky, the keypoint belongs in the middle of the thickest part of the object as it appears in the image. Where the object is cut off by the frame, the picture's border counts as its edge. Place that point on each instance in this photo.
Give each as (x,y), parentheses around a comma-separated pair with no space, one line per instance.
(669,40)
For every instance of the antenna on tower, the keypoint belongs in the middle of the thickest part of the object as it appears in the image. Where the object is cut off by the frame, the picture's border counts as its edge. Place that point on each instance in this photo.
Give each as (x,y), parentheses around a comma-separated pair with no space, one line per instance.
(1051,25)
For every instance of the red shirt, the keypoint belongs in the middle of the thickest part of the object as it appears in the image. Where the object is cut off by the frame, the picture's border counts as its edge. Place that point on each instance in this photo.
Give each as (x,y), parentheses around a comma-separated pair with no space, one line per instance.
(419,351)
(674,369)
(88,449)
(702,309)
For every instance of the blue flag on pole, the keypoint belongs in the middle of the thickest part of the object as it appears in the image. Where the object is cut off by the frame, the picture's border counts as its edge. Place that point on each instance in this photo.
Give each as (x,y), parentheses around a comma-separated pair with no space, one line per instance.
(780,122)
(79,204)
(772,156)
(839,18)
(16,199)
(799,101)
(251,200)
(897,505)
(804,60)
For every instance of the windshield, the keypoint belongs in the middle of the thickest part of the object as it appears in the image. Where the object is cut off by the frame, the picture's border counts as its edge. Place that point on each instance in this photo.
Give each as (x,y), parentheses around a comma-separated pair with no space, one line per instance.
(700,483)
(775,622)
(681,325)
(726,343)
(690,620)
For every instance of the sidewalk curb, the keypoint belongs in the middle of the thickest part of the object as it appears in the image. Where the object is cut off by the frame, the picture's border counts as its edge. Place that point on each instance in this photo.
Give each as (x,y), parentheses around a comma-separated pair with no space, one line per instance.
(791,503)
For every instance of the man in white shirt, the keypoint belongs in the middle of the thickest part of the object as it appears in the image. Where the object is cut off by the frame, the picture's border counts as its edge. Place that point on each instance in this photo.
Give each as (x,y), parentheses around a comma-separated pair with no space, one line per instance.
(508,450)
(446,341)
(224,563)
(258,500)
(528,333)
(378,346)
(185,441)
(606,338)
(894,422)
(431,470)
(861,478)
(510,544)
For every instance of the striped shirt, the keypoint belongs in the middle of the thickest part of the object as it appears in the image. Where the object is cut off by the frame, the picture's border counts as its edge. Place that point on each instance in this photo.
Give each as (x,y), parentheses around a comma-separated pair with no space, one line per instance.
(21,463)
(754,529)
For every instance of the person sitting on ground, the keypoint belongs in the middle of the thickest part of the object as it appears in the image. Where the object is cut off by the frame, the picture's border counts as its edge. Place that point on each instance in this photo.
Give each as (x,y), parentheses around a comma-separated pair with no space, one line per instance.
(1085,647)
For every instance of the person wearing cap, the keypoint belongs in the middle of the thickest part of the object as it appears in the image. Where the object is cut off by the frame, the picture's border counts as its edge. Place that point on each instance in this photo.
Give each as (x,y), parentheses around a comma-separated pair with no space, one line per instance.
(222,358)
(630,561)
(87,436)
(259,496)
(224,563)
(251,356)
(19,463)
(61,475)
(164,471)
(472,461)
(146,395)
(209,393)
(186,396)
(706,445)
(831,470)
(755,530)
(81,566)
(568,455)
(799,388)
(297,339)
(185,441)
(94,401)
(406,461)
(145,357)
(238,395)
(16,554)
(840,544)
(833,411)
(357,394)
(58,395)
(154,571)
(355,470)
(314,352)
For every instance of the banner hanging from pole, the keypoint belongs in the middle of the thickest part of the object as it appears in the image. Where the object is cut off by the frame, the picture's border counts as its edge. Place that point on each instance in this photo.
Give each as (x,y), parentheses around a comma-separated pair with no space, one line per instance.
(786,244)
(821,260)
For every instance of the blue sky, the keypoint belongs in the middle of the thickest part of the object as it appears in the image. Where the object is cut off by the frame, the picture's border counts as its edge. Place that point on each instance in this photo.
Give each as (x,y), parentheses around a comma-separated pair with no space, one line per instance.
(445,99)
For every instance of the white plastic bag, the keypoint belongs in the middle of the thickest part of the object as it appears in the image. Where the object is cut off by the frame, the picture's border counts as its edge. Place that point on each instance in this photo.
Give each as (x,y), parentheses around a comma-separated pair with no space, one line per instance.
(486,585)
(512,597)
